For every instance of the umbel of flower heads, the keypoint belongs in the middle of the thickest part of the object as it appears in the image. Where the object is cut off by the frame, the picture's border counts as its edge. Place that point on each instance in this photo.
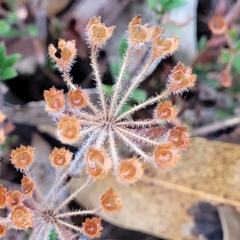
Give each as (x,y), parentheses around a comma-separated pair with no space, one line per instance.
(76,116)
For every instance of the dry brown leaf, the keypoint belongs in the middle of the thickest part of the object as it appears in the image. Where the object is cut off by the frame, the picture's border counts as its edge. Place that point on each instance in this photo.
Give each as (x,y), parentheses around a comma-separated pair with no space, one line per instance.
(159,203)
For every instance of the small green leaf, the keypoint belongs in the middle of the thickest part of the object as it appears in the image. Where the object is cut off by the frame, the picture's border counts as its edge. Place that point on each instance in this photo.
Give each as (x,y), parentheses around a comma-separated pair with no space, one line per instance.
(10,60)
(139,95)
(236,62)
(202,43)
(114,69)
(107,89)
(123,47)
(32,30)
(171,4)
(2,54)
(225,56)
(237,45)
(8,73)
(12,18)
(4,27)
(126,107)
(233,32)
(53,235)
(151,4)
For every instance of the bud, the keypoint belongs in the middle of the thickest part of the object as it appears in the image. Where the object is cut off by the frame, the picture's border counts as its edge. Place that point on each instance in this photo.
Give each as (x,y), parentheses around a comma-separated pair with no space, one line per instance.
(27,186)
(77,98)
(181,78)
(55,100)
(111,202)
(3,230)
(97,32)
(92,227)
(3,196)
(14,198)
(60,157)
(218,25)
(166,155)
(166,111)
(21,217)
(22,157)
(179,137)
(68,129)
(129,171)
(138,33)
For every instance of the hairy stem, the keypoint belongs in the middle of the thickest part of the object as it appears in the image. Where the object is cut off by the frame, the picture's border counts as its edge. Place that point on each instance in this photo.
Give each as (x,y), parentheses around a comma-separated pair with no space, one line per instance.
(113,147)
(81,213)
(136,123)
(69,225)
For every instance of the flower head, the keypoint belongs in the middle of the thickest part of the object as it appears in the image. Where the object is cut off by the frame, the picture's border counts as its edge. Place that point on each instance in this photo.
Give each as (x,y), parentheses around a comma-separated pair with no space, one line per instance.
(92,227)
(60,157)
(218,25)
(27,186)
(77,98)
(22,157)
(179,137)
(3,196)
(166,111)
(3,230)
(14,198)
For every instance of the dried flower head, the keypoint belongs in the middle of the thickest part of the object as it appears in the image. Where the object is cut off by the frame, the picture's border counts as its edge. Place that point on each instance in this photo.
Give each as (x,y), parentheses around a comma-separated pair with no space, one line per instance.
(2,136)
(92,227)
(21,217)
(77,98)
(3,196)
(181,78)
(166,155)
(2,116)
(3,230)
(111,202)
(60,157)
(68,129)
(166,111)
(179,137)
(97,32)
(55,100)
(218,25)
(27,186)
(14,198)
(129,171)
(22,157)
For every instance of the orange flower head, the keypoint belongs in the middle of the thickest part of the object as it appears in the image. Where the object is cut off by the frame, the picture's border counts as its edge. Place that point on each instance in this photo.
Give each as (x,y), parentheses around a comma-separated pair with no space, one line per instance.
(14,198)
(218,25)
(111,202)
(68,53)
(2,136)
(21,217)
(3,230)
(3,196)
(77,98)
(27,186)
(55,100)
(98,163)
(181,78)
(166,111)
(22,157)
(179,137)
(2,116)
(129,171)
(92,227)
(138,33)
(68,129)
(164,46)
(225,79)
(97,32)
(166,155)
(60,157)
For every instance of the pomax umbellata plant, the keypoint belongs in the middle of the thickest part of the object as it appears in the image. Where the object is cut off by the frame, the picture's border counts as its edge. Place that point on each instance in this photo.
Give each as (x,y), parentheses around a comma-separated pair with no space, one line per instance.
(101,124)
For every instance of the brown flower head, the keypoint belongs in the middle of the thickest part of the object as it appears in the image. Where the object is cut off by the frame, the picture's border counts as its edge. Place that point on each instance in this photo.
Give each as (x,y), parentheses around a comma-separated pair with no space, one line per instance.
(218,25)
(2,136)
(111,202)
(77,98)
(14,198)
(139,33)
(2,116)
(98,163)
(181,78)
(129,171)
(22,157)
(164,46)
(27,186)
(3,230)
(21,217)
(92,227)
(97,32)
(166,155)
(3,196)
(68,53)
(166,111)
(60,157)
(55,100)
(179,137)
(225,79)
(68,129)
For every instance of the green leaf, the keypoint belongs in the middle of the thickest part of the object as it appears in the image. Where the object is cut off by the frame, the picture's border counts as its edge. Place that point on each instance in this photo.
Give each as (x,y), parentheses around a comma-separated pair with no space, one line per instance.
(151,4)
(126,107)
(53,235)
(8,73)
(114,69)
(123,47)
(4,27)
(171,4)
(3,52)
(32,30)
(236,63)
(107,89)
(12,18)
(225,56)
(233,32)
(237,45)
(139,95)
(10,60)
(202,43)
